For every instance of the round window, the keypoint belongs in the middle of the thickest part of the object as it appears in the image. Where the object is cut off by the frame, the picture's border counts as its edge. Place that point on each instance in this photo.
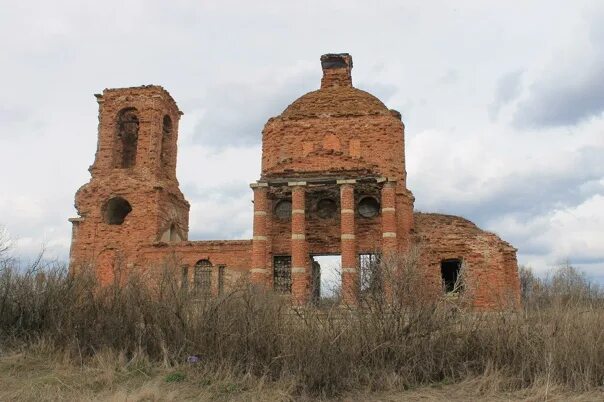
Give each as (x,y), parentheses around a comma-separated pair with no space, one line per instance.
(369,207)
(283,209)
(326,208)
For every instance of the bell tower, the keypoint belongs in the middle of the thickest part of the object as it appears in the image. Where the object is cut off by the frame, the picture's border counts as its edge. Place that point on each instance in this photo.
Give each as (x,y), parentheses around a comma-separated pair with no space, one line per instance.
(133,198)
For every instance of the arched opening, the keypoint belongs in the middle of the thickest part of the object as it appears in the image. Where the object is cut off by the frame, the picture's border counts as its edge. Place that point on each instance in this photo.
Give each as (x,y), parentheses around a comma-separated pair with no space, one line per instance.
(368,207)
(165,141)
(203,277)
(127,138)
(116,210)
(174,233)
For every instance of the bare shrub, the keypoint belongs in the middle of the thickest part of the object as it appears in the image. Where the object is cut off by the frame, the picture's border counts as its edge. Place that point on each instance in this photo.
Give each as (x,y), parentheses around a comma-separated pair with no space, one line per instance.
(5,245)
(404,338)
(563,286)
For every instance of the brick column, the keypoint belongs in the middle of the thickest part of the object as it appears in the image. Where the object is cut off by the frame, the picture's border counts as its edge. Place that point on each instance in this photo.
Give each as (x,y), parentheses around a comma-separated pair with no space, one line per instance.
(299,248)
(350,269)
(259,242)
(389,241)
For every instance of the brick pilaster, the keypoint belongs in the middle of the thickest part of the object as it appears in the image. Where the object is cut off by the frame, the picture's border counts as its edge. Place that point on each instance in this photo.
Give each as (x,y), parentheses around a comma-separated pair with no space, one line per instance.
(389,240)
(299,252)
(350,269)
(260,272)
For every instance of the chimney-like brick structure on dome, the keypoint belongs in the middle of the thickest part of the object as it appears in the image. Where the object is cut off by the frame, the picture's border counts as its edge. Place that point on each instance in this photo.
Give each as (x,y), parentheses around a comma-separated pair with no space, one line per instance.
(337,69)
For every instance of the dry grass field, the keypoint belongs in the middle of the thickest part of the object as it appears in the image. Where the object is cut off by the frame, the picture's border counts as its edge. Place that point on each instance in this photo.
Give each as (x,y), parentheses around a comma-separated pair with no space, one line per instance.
(31,377)
(64,338)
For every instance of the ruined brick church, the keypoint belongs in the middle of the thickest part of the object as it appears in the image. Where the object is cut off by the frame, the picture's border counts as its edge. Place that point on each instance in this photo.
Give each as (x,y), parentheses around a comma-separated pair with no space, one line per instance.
(333,182)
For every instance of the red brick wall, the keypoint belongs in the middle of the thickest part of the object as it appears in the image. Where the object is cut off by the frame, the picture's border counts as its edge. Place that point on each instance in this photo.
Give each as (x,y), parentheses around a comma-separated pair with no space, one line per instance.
(234,255)
(490,262)
(369,145)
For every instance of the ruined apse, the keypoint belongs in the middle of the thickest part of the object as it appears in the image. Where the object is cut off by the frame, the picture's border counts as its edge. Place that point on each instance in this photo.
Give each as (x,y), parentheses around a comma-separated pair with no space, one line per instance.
(332,182)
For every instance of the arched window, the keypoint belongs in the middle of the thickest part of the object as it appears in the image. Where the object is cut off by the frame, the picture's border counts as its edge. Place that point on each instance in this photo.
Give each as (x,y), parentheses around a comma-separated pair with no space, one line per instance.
(203,277)
(116,210)
(165,141)
(127,138)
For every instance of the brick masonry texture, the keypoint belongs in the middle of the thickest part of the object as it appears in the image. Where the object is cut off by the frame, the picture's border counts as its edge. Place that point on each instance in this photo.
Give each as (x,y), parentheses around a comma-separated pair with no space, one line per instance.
(333,182)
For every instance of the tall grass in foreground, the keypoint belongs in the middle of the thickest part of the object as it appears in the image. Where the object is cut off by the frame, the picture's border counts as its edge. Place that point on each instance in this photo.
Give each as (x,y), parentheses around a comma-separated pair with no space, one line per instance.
(558,338)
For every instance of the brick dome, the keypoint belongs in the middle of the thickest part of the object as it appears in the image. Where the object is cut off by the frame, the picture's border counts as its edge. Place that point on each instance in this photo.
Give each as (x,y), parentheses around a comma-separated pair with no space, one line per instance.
(335,101)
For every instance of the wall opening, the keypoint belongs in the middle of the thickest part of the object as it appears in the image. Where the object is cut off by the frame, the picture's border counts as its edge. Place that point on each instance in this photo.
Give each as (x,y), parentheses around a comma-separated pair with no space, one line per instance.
(283,209)
(165,140)
(116,210)
(368,207)
(371,277)
(326,278)
(449,270)
(282,273)
(203,277)
(127,138)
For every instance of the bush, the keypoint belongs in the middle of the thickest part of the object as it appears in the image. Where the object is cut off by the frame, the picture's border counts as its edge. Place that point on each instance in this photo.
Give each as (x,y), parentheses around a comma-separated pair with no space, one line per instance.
(413,340)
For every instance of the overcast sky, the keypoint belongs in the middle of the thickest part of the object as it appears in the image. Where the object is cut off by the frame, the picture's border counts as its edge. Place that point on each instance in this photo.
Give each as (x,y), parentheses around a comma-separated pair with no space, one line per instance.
(503,104)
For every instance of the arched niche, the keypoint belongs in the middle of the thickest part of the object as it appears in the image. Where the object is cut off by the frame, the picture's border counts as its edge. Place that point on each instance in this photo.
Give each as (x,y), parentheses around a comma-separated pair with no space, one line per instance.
(166,135)
(126,138)
(171,234)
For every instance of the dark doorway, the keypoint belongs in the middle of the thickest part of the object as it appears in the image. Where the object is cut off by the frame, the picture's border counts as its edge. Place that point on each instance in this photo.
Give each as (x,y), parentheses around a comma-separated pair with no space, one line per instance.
(282,273)
(449,270)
